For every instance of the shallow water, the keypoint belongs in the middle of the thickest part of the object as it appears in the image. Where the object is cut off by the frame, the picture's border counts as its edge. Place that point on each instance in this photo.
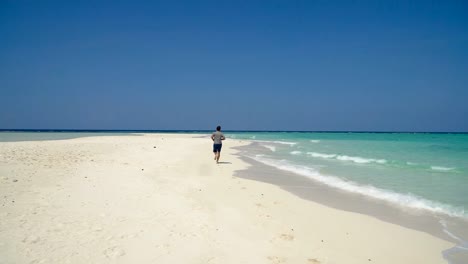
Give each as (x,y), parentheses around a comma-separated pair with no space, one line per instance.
(423,170)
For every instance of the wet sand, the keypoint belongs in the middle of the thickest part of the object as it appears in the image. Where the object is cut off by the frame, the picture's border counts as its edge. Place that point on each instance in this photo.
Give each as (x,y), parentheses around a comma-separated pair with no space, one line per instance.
(442,226)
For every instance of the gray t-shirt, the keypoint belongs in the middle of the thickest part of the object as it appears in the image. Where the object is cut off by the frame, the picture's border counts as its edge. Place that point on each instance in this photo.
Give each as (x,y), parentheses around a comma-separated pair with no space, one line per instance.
(218,136)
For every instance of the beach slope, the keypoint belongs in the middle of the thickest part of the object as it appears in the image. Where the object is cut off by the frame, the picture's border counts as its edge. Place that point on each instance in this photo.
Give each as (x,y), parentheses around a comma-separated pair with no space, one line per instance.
(161,198)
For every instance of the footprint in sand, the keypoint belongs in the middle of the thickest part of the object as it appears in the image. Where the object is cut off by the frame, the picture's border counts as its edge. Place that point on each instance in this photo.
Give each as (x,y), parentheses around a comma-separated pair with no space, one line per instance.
(282,237)
(31,239)
(114,252)
(313,261)
(38,261)
(287,237)
(276,260)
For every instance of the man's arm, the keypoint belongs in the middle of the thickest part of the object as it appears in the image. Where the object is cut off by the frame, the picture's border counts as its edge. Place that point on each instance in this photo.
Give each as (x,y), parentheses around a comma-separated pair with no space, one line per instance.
(222,137)
(212,137)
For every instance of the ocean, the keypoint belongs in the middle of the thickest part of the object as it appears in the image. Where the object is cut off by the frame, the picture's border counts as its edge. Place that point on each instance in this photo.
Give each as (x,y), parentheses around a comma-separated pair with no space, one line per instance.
(424,171)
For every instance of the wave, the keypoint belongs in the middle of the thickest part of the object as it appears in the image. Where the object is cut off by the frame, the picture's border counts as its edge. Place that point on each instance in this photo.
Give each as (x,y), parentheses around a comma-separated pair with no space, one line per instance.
(272,148)
(431,168)
(360,160)
(314,140)
(285,143)
(321,155)
(346,158)
(440,168)
(406,200)
(296,152)
(278,142)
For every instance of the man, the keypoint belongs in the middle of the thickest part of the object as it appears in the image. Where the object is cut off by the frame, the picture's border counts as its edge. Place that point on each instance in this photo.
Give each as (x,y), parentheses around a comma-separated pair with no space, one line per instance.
(217,138)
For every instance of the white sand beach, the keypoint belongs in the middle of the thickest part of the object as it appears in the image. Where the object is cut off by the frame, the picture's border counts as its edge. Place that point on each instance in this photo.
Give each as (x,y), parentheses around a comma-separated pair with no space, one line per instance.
(161,198)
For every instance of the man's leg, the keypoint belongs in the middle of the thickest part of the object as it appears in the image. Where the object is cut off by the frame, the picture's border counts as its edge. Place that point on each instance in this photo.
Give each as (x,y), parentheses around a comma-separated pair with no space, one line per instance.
(217,156)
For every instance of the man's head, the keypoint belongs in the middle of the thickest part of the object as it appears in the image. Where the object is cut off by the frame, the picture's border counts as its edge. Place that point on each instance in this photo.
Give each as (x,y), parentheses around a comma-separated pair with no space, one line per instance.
(218,128)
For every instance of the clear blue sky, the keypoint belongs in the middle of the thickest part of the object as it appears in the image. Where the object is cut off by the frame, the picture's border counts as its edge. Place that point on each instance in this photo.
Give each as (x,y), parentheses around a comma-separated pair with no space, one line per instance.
(247,65)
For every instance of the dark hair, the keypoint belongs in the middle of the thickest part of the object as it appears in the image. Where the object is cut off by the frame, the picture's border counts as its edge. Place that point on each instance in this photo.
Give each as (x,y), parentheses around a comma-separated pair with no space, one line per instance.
(218,128)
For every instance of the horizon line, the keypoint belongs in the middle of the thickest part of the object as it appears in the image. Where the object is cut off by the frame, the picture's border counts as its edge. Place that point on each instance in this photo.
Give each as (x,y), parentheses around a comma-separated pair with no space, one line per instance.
(228,130)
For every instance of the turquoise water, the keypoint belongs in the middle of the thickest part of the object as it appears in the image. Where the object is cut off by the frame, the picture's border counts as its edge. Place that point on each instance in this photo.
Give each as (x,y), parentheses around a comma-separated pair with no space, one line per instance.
(421,171)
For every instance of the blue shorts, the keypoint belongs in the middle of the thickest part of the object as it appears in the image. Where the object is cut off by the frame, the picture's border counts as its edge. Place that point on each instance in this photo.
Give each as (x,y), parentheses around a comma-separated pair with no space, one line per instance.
(217,147)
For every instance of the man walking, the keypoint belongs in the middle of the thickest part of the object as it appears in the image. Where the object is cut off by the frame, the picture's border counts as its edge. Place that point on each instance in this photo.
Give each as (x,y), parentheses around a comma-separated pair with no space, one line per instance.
(217,138)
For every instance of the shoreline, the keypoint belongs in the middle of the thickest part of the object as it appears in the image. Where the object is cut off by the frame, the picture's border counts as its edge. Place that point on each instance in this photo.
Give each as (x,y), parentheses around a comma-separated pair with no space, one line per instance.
(450,228)
(161,198)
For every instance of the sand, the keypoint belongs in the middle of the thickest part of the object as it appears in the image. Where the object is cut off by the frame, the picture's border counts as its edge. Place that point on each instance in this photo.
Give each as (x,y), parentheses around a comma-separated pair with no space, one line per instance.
(161,198)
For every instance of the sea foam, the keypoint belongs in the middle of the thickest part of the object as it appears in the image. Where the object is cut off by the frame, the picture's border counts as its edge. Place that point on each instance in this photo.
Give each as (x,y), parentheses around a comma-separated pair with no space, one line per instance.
(272,148)
(278,142)
(321,155)
(346,158)
(406,200)
(440,168)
